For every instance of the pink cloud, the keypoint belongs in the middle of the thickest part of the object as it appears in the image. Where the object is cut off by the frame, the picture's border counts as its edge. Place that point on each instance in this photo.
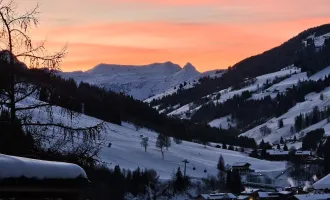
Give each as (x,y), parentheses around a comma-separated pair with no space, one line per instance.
(207,46)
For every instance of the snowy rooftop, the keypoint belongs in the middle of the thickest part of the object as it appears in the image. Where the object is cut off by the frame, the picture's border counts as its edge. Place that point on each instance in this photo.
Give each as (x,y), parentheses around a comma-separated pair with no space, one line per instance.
(266,195)
(249,191)
(241,164)
(219,196)
(285,192)
(303,153)
(324,183)
(312,196)
(242,197)
(277,152)
(15,167)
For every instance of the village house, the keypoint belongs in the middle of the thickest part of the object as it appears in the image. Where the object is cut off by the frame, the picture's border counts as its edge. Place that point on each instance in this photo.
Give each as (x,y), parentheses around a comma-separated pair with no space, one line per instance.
(303,154)
(279,154)
(251,193)
(260,194)
(242,167)
(216,196)
(276,154)
(267,195)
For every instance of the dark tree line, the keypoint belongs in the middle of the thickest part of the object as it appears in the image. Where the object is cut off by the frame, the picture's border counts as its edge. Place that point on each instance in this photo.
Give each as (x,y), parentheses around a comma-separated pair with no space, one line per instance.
(305,120)
(313,140)
(212,111)
(313,59)
(249,113)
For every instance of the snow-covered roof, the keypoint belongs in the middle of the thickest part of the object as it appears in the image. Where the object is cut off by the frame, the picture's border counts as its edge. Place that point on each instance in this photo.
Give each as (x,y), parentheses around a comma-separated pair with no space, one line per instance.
(277,152)
(285,192)
(307,153)
(312,196)
(266,195)
(215,196)
(240,164)
(323,183)
(250,191)
(242,197)
(15,167)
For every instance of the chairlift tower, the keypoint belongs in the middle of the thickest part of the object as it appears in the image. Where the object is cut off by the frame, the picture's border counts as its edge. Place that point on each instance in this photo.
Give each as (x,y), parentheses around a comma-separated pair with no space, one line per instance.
(185,161)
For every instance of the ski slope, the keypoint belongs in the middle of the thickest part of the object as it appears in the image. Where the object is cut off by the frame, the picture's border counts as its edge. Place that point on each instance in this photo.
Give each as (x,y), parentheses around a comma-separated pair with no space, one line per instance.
(229,93)
(312,100)
(127,152)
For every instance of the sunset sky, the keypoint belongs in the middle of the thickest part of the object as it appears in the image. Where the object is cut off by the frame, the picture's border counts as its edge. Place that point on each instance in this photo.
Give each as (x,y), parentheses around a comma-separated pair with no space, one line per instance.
(211,34)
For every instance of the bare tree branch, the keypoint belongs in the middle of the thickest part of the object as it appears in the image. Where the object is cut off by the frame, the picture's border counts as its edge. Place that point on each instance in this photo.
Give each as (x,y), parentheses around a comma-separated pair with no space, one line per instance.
(33,107)
(17,46)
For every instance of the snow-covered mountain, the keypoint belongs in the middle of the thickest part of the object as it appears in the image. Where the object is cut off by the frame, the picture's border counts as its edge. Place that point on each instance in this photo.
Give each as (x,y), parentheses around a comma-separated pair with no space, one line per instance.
(279,81)
(140,82)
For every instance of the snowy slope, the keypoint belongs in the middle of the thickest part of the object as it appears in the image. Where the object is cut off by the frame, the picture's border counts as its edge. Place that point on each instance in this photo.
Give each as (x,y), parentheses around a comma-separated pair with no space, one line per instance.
(281,86)
(223,122)
(295,75)
(318,41)
(190,83)
(140,82)
(312,100)
(127,152)
(229,92)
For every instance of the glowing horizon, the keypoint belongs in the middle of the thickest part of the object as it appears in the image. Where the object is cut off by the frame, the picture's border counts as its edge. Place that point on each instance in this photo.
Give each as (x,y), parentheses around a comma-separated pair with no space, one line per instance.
(210,34)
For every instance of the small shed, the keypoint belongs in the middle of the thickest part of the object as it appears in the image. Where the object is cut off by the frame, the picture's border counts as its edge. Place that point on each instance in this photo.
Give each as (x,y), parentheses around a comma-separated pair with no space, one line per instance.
(30,178)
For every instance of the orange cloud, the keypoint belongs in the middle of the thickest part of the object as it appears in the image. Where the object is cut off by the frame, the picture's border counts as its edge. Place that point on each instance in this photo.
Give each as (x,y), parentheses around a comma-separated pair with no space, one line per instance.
(206,45)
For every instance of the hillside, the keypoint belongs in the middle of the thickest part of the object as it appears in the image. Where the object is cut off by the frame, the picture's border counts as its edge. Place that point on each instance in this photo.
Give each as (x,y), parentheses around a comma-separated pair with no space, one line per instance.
(263,100)
(294,51)
(140,82)
(127,152)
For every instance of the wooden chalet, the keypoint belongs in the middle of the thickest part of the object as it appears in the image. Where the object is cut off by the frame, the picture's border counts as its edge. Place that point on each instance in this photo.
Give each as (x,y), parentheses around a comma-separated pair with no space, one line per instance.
(303,154)
(24,178)
(275,154)
(241,167)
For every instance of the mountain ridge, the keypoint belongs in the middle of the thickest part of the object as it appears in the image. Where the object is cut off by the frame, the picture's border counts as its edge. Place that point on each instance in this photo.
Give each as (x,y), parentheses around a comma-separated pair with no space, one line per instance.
(138,81)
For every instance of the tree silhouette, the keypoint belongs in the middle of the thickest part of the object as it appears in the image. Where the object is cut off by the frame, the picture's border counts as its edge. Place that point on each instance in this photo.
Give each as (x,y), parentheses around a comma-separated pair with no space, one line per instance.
(167,141)
(145,143)
(19,82)
(161,143)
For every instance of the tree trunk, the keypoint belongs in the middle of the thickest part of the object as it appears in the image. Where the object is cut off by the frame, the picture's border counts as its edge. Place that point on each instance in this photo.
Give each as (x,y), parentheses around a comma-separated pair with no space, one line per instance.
(12,94)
